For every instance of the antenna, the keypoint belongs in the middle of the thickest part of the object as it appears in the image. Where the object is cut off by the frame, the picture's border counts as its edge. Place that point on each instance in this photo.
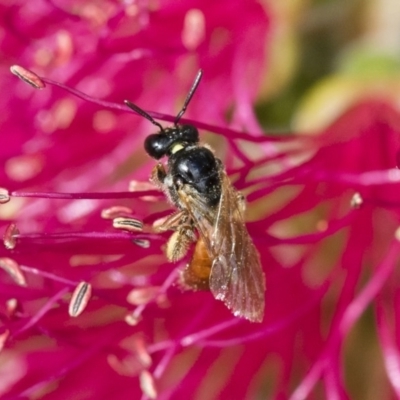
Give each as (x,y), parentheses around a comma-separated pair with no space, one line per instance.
(189,96)
(143,113)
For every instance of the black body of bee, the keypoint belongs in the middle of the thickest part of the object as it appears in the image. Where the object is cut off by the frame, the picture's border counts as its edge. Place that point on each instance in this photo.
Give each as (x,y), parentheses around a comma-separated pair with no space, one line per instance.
(210,213)
(188,163)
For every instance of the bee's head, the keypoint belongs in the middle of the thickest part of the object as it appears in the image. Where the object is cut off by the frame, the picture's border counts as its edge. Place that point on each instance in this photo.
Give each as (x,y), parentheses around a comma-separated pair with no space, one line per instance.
(170,140)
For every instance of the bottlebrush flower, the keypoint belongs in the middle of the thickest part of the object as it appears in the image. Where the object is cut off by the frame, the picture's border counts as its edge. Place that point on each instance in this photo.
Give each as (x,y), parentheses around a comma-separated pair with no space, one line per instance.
(322,210)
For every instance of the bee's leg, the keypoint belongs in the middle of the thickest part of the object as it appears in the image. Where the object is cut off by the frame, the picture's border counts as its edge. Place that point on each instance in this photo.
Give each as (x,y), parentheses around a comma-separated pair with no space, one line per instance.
(158,175)
(160,178)
(174,221)
(179,242)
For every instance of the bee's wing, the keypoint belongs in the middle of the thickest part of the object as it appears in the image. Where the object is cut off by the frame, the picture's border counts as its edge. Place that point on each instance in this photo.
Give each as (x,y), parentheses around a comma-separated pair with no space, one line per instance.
(236,275)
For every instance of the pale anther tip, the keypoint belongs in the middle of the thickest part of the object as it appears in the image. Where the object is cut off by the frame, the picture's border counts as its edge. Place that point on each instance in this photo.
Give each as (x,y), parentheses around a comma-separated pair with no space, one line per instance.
(356,201)
(4,196)
(397,234)
(80,298)
(27,76)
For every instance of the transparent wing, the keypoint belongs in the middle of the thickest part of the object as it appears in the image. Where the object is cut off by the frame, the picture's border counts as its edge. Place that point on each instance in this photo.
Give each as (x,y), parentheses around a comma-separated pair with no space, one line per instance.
(236,274)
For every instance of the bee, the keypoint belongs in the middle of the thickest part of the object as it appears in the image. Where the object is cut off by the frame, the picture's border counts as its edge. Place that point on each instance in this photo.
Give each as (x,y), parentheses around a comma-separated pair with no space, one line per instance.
(194,180)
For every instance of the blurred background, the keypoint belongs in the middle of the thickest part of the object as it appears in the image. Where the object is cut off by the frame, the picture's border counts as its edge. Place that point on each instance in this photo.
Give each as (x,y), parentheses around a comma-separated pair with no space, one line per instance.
(326,56)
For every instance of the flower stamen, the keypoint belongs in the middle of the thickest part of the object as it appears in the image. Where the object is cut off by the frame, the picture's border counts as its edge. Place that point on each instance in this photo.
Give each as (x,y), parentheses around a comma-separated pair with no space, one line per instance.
(9,238)
(147,384)
(80,298)
(3,338)
(28,76)
(4,196)
(13,270)
(128,224)
(116,211)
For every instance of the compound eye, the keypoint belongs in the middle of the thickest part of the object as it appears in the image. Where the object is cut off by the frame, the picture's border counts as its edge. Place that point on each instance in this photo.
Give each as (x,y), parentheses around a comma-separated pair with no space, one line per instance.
(189,133)
(156,145)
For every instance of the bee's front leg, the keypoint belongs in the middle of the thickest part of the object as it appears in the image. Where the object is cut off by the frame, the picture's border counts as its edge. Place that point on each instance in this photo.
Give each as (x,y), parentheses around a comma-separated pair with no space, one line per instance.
(174,221)
(158,176)
(180,221)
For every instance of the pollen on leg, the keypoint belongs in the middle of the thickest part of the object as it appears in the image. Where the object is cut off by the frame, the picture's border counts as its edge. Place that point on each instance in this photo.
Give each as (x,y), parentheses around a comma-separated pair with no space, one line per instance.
(178,244)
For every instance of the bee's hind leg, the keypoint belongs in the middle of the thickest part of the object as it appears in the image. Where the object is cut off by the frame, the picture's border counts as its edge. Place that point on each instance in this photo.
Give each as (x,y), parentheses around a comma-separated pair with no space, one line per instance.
(179,242)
